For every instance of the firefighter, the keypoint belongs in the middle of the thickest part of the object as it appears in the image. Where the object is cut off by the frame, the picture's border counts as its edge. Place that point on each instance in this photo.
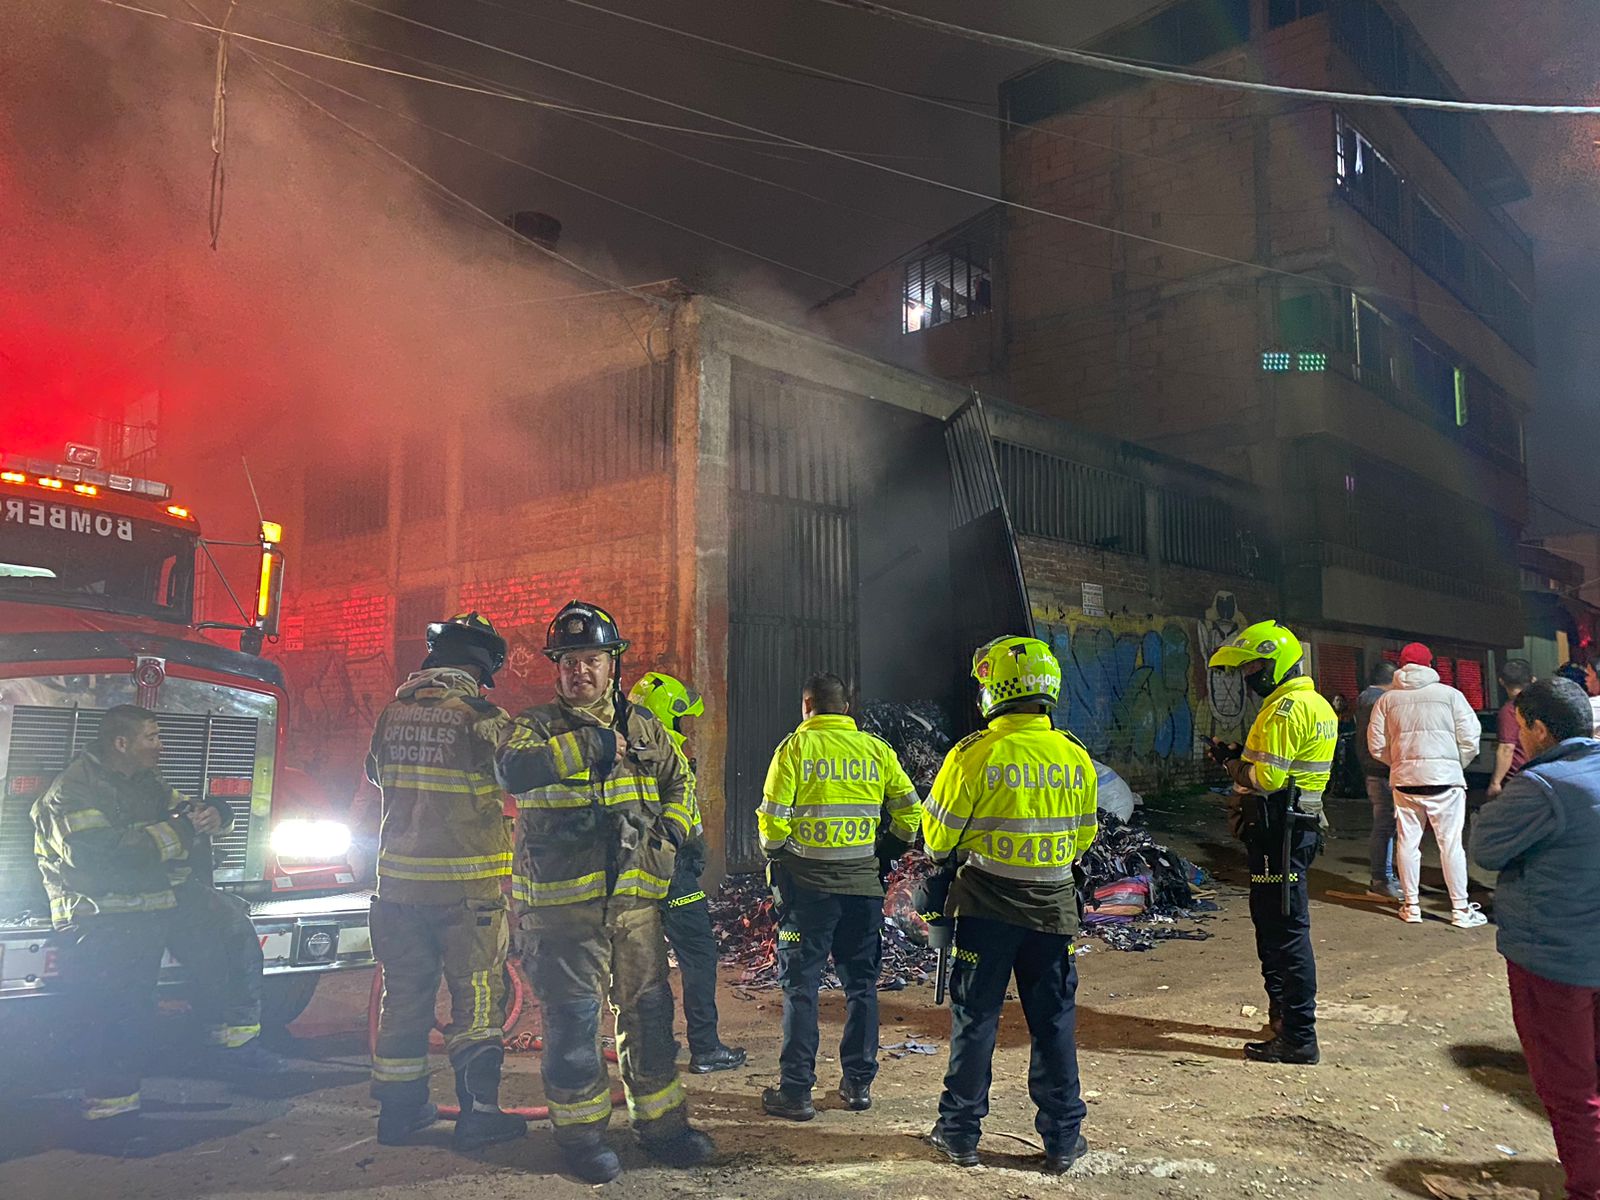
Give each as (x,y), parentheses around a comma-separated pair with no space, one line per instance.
(602,808)
(443,849)
(112,839)
(1012,809)
(685,915)
(821,827)
(1279,775)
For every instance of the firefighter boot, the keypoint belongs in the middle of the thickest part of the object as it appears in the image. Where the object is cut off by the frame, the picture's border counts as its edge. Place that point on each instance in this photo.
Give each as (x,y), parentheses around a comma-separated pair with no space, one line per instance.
(691,1148)
(482,1122)
(589,1158)
(403,1114)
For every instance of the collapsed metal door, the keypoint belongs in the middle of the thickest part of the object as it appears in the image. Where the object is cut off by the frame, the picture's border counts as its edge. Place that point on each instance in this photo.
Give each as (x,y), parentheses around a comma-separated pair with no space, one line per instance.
(991,598)
(791,575)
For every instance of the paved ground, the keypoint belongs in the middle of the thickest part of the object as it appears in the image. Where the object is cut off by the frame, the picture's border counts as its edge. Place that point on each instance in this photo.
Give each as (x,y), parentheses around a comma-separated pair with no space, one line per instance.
(1421,1076)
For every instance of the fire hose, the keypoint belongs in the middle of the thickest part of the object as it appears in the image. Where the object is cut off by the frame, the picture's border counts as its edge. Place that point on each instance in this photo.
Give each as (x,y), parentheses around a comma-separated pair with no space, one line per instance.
(525,1042)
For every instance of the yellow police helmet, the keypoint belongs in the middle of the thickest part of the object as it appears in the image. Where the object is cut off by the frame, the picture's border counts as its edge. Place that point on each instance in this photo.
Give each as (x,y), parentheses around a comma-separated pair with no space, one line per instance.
(1010,670)
(666,697)
(1265,641)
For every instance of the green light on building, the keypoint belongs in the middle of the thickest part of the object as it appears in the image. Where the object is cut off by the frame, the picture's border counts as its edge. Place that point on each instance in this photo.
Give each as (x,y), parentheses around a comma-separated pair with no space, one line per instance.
(1276,360)
(1461,397)
(1311,361)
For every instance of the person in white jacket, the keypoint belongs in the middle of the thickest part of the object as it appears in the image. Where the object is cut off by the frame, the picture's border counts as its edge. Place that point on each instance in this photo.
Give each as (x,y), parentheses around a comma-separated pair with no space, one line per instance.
(1427,732)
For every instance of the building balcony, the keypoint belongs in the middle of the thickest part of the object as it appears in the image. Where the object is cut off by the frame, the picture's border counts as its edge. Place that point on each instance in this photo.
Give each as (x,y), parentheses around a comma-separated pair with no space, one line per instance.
(1328,584)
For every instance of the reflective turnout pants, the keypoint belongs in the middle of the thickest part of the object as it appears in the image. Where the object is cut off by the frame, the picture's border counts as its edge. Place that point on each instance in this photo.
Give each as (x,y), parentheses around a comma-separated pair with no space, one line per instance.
(109,968)
(465,943)
(575,954)
(686,920)
(210,934)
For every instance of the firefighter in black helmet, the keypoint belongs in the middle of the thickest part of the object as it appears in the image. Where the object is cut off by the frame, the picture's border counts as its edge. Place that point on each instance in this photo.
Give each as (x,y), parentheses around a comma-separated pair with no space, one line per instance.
(443,850)
(602,808)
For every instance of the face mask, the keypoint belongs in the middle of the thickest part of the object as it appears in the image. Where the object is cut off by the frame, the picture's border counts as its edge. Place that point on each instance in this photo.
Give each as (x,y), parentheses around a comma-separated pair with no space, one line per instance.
(1261,682)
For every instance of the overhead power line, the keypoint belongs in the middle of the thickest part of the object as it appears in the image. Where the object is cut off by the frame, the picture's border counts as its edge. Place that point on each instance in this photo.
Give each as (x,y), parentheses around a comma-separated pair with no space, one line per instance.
(1122,66)
(543,174)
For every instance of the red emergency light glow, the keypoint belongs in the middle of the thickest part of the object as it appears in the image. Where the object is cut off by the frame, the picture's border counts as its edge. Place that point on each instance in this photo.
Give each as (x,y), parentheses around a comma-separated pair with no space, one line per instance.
(230,785)
(177,510)
(25,785)
(13,477)
(55,485)
(86,489)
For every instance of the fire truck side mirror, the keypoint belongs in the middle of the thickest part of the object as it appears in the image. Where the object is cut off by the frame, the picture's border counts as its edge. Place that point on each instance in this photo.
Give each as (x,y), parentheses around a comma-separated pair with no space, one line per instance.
(269,594)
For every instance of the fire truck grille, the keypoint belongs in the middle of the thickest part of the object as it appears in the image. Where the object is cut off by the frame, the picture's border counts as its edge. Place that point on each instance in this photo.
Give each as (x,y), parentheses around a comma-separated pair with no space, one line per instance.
(195,749)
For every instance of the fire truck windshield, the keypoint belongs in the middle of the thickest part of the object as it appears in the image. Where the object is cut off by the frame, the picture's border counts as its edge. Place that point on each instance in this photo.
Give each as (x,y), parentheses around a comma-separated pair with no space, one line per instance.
(58,553)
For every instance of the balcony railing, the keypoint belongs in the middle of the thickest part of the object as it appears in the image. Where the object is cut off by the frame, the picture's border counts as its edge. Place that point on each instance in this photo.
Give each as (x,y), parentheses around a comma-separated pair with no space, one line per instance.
(1333,554)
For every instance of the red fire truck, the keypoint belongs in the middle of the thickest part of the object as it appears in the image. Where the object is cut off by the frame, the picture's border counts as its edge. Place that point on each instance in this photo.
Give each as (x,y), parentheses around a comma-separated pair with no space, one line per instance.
(97,608)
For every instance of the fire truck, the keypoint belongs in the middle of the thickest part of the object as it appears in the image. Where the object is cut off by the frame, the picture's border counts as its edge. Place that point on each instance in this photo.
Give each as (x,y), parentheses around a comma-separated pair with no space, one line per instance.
(98,607)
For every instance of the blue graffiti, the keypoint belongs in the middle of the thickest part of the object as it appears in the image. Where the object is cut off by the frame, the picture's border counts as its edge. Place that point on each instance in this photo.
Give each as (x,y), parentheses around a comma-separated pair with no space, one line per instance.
(1127,694)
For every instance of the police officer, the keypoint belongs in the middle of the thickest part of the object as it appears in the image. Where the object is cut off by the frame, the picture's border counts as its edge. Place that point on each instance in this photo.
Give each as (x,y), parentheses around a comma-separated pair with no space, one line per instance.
(685,915)
(602,808)
(443,850)
(1291,743)
(1014,806)
(826,790)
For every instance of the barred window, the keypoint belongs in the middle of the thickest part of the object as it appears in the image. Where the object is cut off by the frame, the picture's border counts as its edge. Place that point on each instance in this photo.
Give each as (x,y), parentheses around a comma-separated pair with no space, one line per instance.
(946,287)
(348,500)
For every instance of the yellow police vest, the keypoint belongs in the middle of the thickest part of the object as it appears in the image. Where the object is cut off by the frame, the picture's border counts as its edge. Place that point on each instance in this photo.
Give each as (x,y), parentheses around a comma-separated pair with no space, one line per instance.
(826,788)
(1293,738)
(1017,799)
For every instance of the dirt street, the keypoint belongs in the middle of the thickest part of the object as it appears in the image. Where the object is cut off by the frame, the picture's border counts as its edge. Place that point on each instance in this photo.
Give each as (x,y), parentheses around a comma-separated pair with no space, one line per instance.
(1421,1075)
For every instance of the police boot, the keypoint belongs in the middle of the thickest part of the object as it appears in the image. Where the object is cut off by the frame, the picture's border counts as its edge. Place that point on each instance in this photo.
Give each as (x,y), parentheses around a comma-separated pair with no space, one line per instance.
(1281,1050)
(723,1058)
(482,1122)
(1060,1164)
(589,1158)
(403,1113)
(791,1105)
(1275,1018)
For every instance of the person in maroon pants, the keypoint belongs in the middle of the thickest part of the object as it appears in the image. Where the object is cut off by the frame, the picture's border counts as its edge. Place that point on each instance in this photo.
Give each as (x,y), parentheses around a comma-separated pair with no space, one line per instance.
(1543,835)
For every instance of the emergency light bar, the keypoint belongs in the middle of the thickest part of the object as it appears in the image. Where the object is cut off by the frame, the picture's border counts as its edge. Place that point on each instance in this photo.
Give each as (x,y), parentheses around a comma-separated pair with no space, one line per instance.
(15,468)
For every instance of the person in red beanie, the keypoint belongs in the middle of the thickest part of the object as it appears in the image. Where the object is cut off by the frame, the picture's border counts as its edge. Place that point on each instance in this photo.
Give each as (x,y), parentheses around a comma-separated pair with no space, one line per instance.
(1426,732)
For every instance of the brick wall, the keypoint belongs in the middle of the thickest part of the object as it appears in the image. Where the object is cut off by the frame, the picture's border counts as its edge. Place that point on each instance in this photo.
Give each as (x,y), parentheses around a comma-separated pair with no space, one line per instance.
(1136,687)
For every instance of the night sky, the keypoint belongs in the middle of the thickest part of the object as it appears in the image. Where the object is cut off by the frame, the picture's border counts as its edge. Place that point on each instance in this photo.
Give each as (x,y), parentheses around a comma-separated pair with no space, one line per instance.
(853,219)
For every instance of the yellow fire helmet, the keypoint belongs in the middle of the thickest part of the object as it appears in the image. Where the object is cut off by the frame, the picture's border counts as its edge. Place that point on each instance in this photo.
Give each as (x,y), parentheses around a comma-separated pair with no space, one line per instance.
(1013,669)
(667,698)
(1265,641)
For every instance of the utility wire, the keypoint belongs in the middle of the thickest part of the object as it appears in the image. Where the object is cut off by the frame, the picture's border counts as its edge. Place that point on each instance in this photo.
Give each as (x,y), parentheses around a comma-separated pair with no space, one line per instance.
(543,174)
(818,72)
(1122,66)
(900,172)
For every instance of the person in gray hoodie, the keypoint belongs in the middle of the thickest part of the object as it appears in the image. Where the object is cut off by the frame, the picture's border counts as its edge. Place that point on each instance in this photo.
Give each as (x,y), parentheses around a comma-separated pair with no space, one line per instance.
(1543,835)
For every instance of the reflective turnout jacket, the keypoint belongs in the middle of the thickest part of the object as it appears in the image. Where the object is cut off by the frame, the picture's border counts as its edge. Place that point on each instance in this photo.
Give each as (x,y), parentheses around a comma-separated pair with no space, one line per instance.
(590,825)
(1015,805)
(828,786)
(107,844)
(443,836)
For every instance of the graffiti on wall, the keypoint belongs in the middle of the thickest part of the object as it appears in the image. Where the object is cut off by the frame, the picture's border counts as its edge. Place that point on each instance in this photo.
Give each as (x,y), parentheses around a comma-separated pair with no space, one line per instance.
(1229,706)
(1129,686)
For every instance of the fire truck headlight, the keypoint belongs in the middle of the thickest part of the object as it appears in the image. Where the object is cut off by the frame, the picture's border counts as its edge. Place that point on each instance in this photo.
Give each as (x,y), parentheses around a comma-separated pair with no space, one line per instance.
(310,841)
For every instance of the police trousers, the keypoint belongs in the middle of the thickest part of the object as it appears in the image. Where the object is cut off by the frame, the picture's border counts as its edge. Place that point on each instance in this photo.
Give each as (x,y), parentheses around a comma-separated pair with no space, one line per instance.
(109,967)
(1283,940)
(577,954)
(465,944)
(686,920)
(210,934)
(812,927)
(987,955)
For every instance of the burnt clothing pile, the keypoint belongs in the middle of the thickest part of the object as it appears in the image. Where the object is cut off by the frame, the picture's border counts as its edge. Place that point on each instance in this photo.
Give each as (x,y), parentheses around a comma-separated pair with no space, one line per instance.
(745,925)
(919,732)
(1135,889)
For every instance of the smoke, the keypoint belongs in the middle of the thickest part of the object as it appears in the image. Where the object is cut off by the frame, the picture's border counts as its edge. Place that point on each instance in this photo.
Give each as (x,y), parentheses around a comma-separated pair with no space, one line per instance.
(345,296)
